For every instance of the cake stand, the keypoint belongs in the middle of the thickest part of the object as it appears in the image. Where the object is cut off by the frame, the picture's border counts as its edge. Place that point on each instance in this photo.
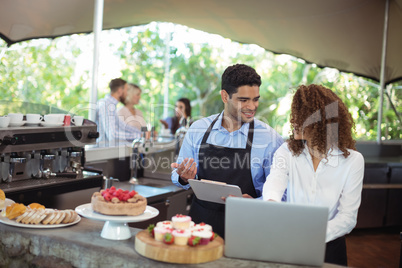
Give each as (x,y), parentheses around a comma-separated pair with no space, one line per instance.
(115,227)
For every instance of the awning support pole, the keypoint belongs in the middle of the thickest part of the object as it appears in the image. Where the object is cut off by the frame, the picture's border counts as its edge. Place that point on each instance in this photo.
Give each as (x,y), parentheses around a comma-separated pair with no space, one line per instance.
(98,21)
(167,72)
(382,74)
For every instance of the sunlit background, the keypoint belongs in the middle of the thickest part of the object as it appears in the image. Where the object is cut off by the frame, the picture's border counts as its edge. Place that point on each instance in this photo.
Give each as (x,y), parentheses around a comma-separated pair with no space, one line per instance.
(57,73)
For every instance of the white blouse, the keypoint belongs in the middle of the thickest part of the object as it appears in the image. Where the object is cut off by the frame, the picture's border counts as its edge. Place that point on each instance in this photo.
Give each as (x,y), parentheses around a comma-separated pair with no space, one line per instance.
(136,120)
(337,184)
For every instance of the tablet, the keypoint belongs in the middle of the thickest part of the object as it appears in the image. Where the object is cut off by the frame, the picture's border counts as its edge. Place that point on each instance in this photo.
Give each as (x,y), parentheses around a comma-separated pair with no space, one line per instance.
(213,191)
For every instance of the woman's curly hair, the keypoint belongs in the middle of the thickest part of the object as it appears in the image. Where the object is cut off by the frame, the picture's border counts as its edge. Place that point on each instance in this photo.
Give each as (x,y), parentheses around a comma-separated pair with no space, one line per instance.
(318,111)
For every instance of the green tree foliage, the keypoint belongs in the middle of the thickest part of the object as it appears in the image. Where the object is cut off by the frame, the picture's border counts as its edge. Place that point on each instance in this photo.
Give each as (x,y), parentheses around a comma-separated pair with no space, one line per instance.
(45,72)
(142,54)
(40,73)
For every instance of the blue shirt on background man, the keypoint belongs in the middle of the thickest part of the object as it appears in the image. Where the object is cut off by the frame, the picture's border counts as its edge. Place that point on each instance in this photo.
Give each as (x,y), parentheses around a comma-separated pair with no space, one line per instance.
(112,129)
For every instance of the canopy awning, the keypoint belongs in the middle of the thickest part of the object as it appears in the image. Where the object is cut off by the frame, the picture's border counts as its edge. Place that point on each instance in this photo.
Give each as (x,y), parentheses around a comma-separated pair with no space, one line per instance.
(343,34)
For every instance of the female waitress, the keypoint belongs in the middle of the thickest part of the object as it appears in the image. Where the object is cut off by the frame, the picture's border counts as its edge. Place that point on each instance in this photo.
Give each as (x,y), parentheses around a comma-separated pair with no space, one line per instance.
(319,164)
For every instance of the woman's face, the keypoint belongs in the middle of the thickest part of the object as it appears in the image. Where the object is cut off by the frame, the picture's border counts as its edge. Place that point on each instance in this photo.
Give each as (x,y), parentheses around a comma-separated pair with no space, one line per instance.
(299,134)
(135,99)
(180,109)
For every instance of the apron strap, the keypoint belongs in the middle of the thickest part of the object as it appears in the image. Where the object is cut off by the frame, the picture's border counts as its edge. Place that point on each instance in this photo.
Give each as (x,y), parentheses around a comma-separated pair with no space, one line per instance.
(206,135)
(250,135)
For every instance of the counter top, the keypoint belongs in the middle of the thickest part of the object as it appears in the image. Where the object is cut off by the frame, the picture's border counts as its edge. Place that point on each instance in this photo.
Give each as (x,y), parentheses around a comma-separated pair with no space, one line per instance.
(80,245)
(93,153)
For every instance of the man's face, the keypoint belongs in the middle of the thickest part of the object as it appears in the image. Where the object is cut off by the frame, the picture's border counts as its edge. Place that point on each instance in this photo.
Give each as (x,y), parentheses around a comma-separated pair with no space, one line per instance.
(241,107)
(123,91)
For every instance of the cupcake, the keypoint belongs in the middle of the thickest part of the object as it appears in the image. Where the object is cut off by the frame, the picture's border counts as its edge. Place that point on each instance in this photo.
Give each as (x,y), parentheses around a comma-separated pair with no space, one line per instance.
(202,227)
(181,221)
(166,224)
(181,237)
(204,235)
(160,232)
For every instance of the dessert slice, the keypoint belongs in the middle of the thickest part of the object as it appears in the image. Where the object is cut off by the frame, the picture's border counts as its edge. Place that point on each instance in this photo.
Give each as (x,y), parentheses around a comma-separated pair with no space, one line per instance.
(27,219)
(61,217)
(68,216)
(41,216)
(56,217)
(49,217)
(21,217)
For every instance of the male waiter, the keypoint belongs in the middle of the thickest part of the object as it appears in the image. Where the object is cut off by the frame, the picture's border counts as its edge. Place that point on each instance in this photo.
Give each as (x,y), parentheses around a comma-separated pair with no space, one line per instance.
(231,147)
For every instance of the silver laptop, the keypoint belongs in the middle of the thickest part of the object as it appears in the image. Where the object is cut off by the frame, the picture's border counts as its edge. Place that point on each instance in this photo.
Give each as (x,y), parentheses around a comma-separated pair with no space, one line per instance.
(275,232)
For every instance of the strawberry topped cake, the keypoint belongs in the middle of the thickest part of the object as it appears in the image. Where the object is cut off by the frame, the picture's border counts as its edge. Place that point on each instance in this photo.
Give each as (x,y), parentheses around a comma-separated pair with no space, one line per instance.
(114,201)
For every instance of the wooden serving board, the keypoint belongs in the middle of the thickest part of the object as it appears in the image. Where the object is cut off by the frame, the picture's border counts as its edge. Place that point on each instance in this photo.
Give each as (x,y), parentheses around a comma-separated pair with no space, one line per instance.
(148,247)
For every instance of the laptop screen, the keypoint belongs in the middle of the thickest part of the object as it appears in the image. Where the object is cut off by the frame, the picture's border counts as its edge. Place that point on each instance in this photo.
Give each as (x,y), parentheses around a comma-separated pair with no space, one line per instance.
(275,232)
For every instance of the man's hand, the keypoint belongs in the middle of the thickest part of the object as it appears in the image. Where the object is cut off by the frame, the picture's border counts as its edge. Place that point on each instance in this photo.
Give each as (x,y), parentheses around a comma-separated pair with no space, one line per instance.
(244,196)
(186,169)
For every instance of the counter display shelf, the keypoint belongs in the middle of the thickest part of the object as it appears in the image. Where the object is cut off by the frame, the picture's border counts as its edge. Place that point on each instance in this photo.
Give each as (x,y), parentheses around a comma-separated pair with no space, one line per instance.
(80,245)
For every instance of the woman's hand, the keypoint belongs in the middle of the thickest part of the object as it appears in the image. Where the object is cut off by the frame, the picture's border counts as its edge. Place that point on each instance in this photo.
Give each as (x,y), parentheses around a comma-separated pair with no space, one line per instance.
(164,123)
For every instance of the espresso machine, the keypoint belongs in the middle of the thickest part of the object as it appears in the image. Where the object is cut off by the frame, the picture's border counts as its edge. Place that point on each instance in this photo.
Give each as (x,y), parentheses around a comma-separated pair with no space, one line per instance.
(37,162)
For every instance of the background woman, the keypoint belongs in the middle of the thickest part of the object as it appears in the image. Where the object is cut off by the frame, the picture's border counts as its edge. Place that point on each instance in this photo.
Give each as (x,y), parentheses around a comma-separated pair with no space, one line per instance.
(182,111)
(130,114)
(319,164)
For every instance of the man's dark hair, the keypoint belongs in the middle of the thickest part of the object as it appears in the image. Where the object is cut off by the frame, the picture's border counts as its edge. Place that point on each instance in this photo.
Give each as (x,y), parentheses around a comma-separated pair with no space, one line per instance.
(187,105)
(116,83)
(239,75)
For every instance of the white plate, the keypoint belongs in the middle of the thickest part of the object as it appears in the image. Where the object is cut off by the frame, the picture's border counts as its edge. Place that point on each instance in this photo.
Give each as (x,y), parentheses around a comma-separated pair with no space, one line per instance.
(7,202)
(86,211)
(19,124)
(47,124)
(7,221)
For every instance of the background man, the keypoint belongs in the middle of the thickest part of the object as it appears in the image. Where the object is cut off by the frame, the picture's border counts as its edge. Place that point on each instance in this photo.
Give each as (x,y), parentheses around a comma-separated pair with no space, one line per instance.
(113,130)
